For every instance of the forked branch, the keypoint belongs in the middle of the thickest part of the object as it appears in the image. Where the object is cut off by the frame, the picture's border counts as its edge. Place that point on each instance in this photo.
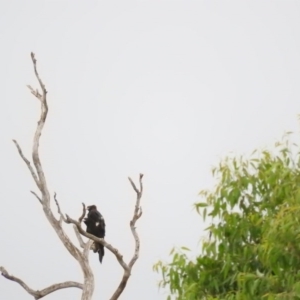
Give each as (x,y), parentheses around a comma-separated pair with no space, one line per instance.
(38,175)
(98,240)
(38,294)
(136,215)
(126,267)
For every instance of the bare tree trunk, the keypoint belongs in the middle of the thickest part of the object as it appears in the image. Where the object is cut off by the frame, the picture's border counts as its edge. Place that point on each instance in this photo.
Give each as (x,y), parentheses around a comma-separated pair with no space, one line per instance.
(82,256)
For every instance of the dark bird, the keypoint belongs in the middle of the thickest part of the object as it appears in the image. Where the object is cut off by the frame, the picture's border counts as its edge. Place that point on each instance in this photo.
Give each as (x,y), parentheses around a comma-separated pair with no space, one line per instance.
(95,225)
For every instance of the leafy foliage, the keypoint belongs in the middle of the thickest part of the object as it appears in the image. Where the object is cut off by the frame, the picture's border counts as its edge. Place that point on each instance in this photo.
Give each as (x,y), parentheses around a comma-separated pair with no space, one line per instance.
(253,251)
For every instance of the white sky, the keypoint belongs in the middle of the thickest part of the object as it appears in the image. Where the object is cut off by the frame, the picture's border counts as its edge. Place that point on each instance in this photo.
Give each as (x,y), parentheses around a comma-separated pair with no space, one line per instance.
(165,88)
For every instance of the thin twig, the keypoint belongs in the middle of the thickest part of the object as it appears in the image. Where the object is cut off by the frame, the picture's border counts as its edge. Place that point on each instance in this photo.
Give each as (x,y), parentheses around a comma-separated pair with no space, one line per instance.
(35,194)
(80,240)
(133,185)
(36,93)
(62,217)
(83,213)
(27,162)
(37,74)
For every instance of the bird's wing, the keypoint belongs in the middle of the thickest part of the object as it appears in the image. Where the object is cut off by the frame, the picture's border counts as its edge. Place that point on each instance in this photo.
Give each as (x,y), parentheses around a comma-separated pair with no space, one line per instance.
(94,215)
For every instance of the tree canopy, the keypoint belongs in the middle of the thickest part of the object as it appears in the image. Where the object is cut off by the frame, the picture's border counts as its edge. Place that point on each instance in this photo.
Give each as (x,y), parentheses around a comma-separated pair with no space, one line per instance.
(253,246)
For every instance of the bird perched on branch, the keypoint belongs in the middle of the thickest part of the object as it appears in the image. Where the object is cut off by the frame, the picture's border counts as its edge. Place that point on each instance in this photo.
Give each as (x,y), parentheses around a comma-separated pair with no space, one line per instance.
(95,225)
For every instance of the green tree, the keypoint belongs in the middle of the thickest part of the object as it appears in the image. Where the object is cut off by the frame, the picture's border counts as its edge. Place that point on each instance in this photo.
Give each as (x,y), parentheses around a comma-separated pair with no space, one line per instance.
(253,249)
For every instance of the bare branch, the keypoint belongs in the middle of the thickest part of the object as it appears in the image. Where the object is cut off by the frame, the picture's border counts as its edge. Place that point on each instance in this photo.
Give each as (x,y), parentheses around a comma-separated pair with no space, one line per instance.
(140,213)
(39,177)
(88,287)
(136,215)
(35,194)
(37,74)
(80,240)
(98,240)
(27,162)
(35,93)
(133,185)
(38,294)
(87,246)
(62,217)
(38,132)
(141,182)
(127,268)
(83,213)
(56,224)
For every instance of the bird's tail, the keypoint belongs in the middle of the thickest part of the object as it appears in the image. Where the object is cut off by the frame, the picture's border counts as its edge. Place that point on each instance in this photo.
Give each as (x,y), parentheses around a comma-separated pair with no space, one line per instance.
(101,252)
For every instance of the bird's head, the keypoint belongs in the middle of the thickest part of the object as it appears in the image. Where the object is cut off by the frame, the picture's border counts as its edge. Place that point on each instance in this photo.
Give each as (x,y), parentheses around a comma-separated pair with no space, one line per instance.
(90,207)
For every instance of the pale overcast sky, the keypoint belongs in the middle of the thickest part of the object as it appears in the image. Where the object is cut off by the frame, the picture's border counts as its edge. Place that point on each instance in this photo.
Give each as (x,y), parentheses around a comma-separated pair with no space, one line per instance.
(165,88)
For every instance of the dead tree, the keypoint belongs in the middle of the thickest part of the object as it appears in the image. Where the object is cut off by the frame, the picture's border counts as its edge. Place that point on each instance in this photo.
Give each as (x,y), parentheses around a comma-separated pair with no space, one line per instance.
(80,255)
